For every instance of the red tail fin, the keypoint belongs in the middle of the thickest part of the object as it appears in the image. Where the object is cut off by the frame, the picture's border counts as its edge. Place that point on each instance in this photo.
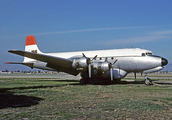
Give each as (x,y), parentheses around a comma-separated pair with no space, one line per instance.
(30,40)
(31,46)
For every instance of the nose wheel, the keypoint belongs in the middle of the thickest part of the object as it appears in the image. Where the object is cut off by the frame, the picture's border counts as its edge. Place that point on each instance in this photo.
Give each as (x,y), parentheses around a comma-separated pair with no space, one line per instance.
(148,81)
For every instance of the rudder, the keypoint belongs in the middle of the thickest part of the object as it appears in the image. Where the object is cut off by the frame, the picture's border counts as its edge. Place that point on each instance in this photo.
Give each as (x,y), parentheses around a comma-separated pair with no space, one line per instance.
(31,46)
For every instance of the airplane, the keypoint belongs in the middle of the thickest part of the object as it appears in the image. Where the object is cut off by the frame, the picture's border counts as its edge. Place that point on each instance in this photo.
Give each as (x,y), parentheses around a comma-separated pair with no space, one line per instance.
(110,65)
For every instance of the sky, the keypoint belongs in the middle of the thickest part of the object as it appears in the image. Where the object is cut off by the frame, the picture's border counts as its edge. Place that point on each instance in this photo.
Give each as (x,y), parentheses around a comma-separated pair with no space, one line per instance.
(77,25)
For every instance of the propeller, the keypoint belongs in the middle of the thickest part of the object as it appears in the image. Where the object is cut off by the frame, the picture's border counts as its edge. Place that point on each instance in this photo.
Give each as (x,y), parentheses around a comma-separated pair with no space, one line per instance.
(135,75)
(89,63)
(111,69)
(89,70)
(94,58)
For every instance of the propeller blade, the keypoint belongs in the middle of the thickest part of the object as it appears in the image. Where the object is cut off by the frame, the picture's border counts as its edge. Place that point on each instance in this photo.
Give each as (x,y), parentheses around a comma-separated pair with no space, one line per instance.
(111,69)
(115,61)
(89,70)
(84,55)
(111,73)
(89,64)
(135,75)
(94,58)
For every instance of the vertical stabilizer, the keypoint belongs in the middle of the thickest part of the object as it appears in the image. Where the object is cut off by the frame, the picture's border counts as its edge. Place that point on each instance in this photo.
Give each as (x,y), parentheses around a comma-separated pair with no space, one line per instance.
(31,46)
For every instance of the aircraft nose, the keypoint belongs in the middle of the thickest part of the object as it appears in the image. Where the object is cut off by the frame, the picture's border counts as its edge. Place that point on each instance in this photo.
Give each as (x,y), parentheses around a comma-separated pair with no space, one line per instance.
(164,61)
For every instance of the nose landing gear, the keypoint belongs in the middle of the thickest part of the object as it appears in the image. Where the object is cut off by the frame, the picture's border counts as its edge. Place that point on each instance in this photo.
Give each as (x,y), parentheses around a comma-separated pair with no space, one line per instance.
(148,81)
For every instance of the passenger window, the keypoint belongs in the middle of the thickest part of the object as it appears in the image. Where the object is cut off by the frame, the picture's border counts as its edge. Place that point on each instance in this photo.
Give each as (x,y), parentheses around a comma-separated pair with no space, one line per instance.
(143,54)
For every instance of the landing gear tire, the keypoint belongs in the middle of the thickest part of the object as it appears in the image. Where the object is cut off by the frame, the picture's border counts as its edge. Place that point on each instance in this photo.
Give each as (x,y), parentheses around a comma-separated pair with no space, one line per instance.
(116,80)
(84,81)
(148,81)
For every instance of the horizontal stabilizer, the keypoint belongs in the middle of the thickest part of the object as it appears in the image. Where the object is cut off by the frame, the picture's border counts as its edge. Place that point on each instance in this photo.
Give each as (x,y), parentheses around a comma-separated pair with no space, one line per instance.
(44,58)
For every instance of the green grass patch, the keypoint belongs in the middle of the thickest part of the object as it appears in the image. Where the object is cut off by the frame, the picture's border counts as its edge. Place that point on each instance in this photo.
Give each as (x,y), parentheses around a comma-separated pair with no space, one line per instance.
(50,98)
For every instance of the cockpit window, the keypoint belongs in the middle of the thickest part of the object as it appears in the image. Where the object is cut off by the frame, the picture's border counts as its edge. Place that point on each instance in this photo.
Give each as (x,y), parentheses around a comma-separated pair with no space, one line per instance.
(148,53)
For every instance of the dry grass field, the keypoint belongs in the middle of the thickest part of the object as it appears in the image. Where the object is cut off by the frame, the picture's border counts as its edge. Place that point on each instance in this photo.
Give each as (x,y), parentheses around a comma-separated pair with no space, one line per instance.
(59,98)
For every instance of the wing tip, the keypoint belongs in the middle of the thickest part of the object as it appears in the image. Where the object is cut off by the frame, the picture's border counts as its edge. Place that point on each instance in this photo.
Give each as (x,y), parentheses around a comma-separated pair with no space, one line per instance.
(8,62)
(11,50)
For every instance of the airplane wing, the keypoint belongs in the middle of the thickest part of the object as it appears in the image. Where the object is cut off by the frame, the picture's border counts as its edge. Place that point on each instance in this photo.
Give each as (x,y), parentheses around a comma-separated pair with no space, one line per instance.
(44,58)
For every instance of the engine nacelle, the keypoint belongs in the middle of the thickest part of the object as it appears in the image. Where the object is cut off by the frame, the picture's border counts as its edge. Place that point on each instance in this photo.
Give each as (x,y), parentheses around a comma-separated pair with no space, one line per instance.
(80,63)
(103,66)
(153,70)
(117,74)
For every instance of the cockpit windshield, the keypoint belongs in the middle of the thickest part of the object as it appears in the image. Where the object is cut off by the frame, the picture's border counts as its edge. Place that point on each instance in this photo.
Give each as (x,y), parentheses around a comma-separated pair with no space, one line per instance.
(147,54)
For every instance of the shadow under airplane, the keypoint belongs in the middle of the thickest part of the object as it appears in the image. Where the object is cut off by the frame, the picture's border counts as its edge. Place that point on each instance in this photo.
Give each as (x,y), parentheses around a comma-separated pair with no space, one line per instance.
(9,99)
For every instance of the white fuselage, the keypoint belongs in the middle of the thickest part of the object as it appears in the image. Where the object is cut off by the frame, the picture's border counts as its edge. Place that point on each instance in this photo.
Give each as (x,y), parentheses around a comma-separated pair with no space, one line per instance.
(130,60)
(103,53)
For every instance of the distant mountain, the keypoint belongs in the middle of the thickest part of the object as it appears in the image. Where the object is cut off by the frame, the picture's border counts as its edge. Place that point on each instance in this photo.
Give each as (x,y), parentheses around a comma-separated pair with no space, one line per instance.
(168,67)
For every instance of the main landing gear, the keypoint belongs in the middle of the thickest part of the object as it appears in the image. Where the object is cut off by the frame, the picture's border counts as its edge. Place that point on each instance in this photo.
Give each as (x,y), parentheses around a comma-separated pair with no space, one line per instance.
(148,81)
(84,80)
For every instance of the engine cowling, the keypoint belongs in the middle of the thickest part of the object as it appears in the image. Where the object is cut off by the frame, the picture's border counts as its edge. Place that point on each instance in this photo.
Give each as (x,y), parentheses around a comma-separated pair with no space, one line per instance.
(81,63)
(117,74)
(103,66)
(153,70)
